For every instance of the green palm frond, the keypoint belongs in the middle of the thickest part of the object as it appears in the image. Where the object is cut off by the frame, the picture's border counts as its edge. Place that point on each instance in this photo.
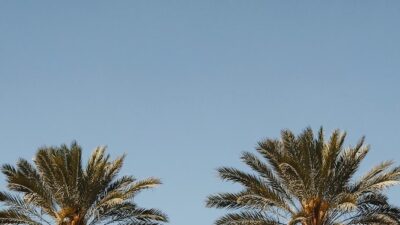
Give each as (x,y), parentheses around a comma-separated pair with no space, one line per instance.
(25,179)
(379,181)
(142,185)
(255,186)
(12,216)
(247,218)
(265,172)
(226,200)
(386,215)
(128,213)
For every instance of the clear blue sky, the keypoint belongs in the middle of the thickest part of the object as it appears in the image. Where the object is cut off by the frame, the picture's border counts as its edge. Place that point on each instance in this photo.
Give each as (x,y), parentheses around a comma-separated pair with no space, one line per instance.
(185,86)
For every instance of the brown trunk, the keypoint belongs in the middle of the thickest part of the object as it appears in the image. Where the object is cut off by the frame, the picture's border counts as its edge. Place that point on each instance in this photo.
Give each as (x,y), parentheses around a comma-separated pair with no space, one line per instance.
(77,220)
(315,210)
(70,216)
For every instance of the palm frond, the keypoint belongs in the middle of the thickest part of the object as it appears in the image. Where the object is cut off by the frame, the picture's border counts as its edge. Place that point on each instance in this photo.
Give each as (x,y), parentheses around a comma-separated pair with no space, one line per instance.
(57,187)
(226,200)
(307,180)
(12,216)
(246,218)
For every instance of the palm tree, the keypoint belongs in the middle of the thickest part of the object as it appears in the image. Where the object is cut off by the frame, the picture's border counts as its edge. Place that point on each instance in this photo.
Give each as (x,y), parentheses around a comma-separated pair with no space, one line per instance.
(57,189)
(305,180)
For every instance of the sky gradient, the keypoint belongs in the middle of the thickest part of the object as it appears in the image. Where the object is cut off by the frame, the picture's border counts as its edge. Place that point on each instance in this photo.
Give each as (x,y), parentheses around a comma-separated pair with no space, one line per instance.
(184,87)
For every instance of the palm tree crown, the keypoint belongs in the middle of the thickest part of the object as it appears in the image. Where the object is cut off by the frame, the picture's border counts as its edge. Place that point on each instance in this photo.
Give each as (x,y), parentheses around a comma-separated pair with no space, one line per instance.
(305,180)
(56,188)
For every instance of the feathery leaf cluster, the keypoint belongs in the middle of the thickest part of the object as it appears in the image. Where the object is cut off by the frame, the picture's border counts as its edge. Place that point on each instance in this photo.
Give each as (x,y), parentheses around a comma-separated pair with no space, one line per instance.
(309,181)
(58,189)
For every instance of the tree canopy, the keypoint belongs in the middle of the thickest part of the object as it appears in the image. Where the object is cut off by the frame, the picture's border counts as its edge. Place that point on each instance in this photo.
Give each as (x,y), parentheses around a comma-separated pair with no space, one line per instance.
(58,189)
(308,180)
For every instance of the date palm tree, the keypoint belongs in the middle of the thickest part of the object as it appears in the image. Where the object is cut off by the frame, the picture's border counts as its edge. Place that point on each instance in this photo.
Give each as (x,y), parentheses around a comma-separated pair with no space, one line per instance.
(58,189)
(306,180)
